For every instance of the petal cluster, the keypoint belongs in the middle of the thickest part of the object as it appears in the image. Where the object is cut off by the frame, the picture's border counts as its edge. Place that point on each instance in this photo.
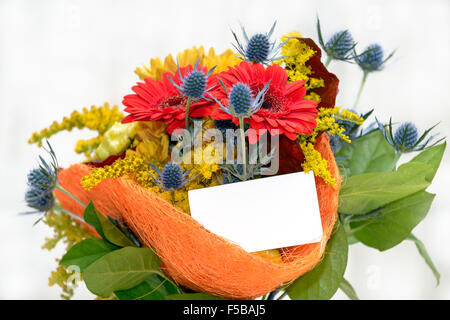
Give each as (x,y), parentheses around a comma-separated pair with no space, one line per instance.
(284,110)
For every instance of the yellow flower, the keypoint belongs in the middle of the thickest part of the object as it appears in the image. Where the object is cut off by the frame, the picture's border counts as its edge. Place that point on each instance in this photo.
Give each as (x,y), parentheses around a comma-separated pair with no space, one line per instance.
(326,122)
(99,119)
(297,54)
(188,57)
(116,140)
(152,141)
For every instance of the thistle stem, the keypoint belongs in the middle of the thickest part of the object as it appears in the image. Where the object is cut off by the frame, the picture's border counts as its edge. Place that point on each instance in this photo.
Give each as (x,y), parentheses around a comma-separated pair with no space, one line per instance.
(67,193)
(398,154)
(328,61)
(186,118)
(172,193)
(366,73)
(244,153)
(71,214)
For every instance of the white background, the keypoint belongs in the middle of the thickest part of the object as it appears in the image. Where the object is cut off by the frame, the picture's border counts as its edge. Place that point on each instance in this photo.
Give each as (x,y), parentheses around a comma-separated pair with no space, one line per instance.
(57,56)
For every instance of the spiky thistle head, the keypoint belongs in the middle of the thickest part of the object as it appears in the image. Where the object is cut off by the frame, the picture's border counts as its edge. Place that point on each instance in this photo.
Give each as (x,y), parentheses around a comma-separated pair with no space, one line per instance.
(241,98)
(39,199)
(406,137)
(340,45)
(372,58)
(258,48)
(41,183)
(242,104)
(194,84)
(172,176)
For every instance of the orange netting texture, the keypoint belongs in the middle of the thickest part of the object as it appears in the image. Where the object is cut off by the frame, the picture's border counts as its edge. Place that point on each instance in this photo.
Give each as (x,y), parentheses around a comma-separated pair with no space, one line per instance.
(193,256)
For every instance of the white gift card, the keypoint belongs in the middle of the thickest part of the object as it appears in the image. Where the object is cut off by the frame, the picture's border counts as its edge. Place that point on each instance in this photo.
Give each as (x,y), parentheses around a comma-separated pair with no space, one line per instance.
(262,214)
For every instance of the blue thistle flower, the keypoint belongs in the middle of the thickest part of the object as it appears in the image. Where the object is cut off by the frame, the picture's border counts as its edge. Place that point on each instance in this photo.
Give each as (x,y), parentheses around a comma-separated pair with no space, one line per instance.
(241,102)
(258,48)
(406,137)
(172,177)
(340,46)
(241,98)
(41,183)
(193,85)
(372,57)
(39,199)
(40,179)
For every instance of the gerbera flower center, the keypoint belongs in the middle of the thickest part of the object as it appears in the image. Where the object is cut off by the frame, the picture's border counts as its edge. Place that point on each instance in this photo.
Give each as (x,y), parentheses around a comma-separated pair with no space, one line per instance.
(273,100)
(176,102)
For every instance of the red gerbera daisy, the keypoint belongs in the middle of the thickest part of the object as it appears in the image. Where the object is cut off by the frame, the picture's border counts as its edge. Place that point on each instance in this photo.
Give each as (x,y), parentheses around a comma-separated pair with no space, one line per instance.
(284,109)
(160,100)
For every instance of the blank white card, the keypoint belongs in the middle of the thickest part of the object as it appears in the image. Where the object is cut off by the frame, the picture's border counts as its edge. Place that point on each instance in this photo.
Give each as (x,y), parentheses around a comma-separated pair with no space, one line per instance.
(262,214)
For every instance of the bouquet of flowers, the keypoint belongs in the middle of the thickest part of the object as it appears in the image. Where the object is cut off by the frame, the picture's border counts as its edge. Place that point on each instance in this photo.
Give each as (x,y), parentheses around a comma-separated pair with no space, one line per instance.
(207,119)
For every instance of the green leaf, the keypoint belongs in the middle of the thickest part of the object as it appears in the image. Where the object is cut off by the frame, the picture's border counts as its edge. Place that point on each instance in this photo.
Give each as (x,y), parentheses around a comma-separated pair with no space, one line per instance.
(90,216)
(369,153)
(347,288)
(106,228)
(322,282)
(433,157)
(154,288)
(120,270)
(423,252)
(87,251)
(396,221)
(194,296)
(363,193)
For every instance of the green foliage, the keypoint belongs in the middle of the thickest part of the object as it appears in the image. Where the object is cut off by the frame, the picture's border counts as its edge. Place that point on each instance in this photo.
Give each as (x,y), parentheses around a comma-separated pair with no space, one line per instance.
(396,221)
(154,287)
(121,270)
(87,251)
(369,153)
(347,288)
(322,282)
(363,193)
(105,228)
(423,252)
(433,157)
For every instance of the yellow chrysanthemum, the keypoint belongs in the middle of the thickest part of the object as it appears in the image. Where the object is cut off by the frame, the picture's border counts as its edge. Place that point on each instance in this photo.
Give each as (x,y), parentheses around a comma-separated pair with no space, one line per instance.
(188,57)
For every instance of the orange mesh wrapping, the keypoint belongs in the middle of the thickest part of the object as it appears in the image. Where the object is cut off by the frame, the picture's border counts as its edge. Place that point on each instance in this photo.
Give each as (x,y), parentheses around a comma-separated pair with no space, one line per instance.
(193,256)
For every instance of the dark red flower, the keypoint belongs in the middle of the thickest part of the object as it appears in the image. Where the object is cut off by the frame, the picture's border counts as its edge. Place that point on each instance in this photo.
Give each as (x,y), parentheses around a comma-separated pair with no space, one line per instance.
(284,111)
(160,100)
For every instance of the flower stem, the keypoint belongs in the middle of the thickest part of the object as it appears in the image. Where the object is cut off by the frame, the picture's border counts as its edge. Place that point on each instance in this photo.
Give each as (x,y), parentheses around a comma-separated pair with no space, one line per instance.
(67,193)
(244,153)
(71,214)
(366,73)
(328,61)
(186,118)
(172,193)
(398,154)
